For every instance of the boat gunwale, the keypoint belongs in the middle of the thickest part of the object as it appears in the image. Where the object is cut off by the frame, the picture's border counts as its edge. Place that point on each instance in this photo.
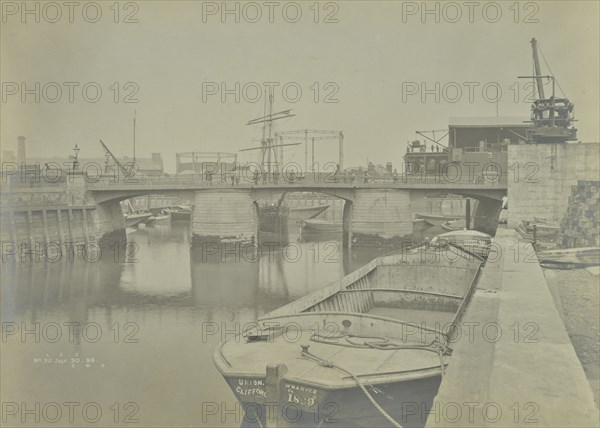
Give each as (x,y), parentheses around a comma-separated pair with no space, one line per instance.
(404,290)
(464,304)
(417,374)
(409,375)
(348,280)
(376,378)
(357,314)
(439,217)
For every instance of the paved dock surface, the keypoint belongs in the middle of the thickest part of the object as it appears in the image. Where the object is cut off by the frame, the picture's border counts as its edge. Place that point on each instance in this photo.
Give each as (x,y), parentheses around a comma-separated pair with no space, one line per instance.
(514,364)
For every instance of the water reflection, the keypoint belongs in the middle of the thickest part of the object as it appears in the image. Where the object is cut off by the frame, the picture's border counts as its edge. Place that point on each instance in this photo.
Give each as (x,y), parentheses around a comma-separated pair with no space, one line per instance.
(134,329)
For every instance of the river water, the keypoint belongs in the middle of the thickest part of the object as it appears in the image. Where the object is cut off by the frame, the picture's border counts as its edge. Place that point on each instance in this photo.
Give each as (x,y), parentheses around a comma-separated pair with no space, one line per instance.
(126,337)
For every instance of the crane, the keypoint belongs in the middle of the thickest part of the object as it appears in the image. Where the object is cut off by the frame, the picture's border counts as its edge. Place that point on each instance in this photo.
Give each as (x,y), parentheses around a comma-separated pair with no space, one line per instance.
(537,70)
(552,118)
(124,170)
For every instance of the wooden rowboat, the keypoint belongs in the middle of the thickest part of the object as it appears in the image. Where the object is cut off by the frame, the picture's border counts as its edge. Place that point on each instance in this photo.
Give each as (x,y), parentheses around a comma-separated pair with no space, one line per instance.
(362,350)
(453,225)
(181,213)
(437,220)
(470,240)
(320,226)
(302,213)
(136,218)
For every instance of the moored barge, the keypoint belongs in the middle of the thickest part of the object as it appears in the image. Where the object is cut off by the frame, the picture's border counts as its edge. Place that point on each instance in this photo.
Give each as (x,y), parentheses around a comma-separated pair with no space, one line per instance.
(360,351)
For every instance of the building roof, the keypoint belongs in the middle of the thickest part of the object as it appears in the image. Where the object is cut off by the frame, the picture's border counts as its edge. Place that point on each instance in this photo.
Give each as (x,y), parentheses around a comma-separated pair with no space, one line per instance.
(489,122)
(144,164)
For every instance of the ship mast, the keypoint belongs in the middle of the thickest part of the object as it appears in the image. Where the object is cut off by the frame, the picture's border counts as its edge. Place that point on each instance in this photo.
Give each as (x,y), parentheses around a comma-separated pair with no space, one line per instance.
(268,149)
(270,140)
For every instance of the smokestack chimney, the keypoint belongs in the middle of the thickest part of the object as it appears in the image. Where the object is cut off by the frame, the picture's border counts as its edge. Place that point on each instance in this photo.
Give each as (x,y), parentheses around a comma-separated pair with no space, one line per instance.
(21,157)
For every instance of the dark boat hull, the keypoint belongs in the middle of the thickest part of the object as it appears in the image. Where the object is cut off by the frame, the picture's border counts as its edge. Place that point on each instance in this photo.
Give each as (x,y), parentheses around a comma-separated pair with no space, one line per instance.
(437,220)
(408,402)
(451,226)
(134,219)
(181,215)
(313,226)
(158,219)
(303,213)
(273,225)
(279,237)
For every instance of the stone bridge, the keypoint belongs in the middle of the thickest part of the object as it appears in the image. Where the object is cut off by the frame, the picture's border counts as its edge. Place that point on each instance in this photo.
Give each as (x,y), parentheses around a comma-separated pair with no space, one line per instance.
(87,208)
(226,208)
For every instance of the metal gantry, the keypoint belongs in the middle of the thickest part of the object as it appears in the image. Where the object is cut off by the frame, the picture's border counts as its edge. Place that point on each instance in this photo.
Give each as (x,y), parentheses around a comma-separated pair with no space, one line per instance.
(202,157)
(314,135)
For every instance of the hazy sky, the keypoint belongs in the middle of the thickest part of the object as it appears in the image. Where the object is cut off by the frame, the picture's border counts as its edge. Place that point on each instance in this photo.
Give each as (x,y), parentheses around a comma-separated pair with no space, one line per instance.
(370,57)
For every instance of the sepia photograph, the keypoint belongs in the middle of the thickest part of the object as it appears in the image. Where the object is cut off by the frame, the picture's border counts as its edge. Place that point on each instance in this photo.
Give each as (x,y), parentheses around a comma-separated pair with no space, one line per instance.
(309,213)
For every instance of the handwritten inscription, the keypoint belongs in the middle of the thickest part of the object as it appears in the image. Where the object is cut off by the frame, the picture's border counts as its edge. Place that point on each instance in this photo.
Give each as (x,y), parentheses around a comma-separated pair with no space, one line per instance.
(72,361)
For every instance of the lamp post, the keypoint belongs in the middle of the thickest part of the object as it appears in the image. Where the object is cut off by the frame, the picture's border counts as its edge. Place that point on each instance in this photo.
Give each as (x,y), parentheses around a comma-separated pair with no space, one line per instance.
(76,150)
(107,157)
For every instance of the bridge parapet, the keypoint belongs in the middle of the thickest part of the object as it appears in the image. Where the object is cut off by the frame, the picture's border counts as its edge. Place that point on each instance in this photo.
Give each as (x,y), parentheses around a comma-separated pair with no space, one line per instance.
(322,180)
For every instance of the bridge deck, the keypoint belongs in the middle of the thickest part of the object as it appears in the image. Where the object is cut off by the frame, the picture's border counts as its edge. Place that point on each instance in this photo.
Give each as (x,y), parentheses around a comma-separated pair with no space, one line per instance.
(197,182)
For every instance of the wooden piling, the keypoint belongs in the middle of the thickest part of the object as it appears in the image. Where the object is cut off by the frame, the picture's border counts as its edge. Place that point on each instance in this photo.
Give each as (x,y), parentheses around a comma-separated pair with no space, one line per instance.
(30,230)
(13,227)
(468,214)
(45,227)
(61,232)
(86,233)
(274,395)
(71,235)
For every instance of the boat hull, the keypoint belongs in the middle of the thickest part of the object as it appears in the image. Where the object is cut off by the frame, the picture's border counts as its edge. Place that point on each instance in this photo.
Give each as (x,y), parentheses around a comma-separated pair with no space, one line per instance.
(314,226)
(135,219)
(303,213)
(437,220)
(452,226)
(158,219)
(273,225)
(281,237)
(181,215)
(408,402)
(472,241)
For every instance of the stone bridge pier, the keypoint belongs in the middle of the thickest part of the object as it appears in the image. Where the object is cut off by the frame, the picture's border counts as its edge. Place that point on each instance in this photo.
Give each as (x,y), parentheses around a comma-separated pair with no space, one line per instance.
(378,216)
(487,215)
(371,216)
(221,215)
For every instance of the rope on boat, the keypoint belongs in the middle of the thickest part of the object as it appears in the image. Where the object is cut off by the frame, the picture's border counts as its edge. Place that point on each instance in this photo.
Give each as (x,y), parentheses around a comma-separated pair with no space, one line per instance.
(326,363)
(377,342)
(434,346)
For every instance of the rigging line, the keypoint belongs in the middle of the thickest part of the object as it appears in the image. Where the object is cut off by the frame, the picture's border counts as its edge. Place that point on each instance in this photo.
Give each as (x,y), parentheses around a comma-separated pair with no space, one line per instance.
(533,74)
(551,73)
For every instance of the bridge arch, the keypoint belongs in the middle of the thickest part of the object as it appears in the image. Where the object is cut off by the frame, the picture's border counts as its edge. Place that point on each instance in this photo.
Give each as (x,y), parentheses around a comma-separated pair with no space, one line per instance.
(488,209)
(373,211)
